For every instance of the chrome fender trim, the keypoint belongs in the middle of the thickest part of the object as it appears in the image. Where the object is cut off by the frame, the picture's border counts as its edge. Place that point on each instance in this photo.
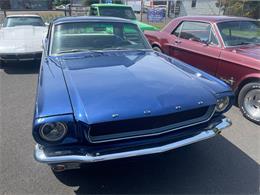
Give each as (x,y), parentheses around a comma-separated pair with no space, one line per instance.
(40,156)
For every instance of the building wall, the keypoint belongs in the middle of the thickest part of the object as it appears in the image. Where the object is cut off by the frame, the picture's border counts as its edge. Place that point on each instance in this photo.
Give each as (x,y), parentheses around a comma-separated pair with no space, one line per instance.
(193,7)
(202,7)
(4,4)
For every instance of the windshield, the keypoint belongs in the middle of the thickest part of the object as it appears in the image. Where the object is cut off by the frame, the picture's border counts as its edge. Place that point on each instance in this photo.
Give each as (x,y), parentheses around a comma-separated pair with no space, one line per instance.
(235,33)
(21,21)
(120,12)
(88,36)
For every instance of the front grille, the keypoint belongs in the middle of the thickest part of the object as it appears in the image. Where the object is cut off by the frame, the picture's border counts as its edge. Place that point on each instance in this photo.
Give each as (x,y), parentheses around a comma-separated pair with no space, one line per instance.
(147,126)
(21,56)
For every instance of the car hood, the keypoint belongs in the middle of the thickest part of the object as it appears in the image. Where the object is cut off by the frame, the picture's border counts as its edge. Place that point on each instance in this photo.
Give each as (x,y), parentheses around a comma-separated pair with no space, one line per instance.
(249,51)
(144,26)
(21,39)
(117,86)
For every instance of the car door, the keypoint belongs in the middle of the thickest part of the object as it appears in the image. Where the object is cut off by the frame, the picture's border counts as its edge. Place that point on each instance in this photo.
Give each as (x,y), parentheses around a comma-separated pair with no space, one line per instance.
(196,44)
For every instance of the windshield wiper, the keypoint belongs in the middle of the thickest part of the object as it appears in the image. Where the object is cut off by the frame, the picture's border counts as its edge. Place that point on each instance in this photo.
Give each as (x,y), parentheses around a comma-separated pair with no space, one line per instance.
(115,48)
(124,49)
(244,43)
(71,51)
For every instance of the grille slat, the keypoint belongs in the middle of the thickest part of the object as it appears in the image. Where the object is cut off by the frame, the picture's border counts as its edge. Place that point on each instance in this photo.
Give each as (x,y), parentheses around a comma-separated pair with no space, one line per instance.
(147,126)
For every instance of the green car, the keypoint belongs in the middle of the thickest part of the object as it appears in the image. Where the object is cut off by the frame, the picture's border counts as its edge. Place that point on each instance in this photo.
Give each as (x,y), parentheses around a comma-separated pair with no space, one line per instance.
(120,11)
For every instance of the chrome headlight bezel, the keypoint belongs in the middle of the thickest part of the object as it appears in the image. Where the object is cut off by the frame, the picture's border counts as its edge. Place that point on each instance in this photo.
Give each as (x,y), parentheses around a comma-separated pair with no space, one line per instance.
(222,104)
(62,127)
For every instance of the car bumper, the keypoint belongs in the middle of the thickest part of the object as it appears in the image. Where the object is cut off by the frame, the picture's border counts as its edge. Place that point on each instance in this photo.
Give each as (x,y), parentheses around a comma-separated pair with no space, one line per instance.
(40,155)
(20,57)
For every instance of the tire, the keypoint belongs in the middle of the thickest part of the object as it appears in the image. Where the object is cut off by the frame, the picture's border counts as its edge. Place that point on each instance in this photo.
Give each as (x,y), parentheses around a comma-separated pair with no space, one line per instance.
(158,49)
(249,101)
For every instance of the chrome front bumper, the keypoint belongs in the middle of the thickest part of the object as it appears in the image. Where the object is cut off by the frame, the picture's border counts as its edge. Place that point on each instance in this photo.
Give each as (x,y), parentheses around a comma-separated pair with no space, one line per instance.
(41,156)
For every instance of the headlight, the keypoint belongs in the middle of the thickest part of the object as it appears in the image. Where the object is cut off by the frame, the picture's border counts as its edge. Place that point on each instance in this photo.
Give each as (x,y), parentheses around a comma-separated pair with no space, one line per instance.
(222,104)
(53,131)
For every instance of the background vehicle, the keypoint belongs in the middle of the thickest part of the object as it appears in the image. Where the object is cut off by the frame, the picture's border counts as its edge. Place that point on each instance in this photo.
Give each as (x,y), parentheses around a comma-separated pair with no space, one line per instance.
(118,10)
(114,97)
(21,38)
(226,47)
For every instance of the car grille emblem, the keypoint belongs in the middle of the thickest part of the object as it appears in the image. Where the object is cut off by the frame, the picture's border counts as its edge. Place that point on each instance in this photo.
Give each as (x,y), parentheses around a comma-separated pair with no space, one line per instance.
(115,115)
(200,102)
(147,112)
(178,107)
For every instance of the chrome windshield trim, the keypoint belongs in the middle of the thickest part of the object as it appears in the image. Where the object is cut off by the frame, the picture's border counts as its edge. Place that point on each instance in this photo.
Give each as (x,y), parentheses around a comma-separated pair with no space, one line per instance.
(40,156)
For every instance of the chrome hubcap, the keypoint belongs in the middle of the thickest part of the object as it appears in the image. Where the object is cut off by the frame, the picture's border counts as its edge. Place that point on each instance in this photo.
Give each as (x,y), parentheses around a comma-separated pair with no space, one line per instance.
(252,103)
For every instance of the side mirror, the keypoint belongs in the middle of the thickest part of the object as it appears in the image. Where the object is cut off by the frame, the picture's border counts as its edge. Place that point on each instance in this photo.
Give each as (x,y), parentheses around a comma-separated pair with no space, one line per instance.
(46,24)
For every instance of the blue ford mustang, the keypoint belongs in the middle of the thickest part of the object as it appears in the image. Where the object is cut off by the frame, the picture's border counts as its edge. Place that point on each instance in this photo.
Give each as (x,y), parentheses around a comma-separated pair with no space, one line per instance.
(104,94)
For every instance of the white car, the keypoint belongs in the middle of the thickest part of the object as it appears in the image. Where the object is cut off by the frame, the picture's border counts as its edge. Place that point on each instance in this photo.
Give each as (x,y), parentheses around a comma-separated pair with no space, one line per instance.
(21,38)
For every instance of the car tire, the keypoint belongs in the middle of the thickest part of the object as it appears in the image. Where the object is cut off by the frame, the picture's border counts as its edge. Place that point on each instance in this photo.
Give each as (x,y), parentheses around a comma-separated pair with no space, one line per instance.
(158,49)
(249,101)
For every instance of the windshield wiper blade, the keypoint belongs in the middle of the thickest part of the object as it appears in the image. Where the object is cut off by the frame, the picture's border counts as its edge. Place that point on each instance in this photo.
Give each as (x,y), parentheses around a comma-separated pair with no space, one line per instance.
(71,51)
(245,43)
(125,49)
(115,48)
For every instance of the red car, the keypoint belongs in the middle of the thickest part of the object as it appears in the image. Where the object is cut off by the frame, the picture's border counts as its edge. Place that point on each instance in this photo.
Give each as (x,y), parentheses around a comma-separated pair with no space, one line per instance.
(227,47)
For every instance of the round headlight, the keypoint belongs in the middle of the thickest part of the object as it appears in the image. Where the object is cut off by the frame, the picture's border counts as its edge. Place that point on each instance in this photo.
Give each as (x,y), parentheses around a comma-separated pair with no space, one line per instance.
(53,131)
(222,104)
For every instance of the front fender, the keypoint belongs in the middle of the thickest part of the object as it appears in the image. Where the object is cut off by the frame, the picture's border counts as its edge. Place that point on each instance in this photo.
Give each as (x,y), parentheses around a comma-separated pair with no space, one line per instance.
(245,79)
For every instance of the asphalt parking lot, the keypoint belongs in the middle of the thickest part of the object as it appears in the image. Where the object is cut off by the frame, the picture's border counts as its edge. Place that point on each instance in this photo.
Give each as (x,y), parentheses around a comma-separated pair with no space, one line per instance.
(226,164)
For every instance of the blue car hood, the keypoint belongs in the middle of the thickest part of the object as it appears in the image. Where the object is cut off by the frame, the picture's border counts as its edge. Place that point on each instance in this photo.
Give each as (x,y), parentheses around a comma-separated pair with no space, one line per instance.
(121,85)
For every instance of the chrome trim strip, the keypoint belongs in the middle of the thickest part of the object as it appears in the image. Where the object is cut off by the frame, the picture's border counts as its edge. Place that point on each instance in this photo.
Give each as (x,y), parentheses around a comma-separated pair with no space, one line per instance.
(40,156)
(159,133)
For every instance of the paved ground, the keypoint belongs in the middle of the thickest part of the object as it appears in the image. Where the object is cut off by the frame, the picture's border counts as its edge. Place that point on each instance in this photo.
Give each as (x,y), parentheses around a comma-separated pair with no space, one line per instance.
(224,164)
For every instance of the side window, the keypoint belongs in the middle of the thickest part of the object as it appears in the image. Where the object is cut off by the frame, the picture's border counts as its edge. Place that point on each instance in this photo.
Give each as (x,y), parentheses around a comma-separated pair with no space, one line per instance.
(93,11)
(131,33)
(177,30)
(197,31)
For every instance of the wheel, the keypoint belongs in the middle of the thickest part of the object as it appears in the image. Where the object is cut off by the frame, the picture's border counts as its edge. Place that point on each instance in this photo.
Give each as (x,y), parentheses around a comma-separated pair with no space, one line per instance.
(158,49)
(249,101)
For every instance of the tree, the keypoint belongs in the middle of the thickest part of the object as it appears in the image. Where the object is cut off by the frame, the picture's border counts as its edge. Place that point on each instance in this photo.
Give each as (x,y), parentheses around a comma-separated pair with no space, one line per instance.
(247,8)
(60,2)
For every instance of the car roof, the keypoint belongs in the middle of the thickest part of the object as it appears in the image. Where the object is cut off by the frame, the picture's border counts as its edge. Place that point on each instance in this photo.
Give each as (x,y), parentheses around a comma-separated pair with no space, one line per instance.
(24,15)
(215,19)
(89,19)
(109,5)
